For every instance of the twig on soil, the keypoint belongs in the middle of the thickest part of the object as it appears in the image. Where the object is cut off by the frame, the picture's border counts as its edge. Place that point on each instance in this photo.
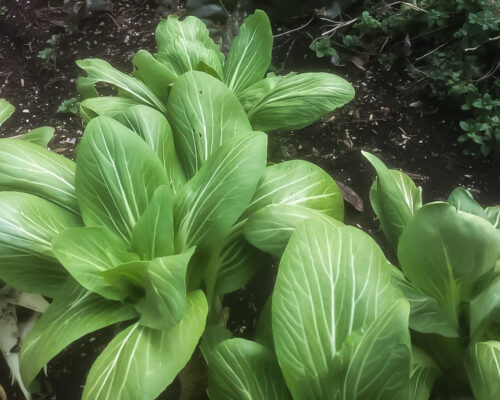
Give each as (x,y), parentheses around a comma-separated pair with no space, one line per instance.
(288,53)
(296,29)
(489,73)
(337,26)
(415,7)
(432,51)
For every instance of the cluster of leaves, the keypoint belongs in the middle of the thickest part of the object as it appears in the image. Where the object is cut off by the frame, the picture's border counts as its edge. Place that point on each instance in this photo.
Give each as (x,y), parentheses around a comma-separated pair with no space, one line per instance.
(159,218)
(271,103)
(452,46)
(48,54)
(449,257)
(69,106)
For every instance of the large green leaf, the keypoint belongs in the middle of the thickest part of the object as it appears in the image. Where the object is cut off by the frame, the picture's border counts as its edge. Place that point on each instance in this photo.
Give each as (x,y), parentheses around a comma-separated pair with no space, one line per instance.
(154,128)
(165,301)
(141,362)
(189,55)
(298,183)
(28,224)
(116,176)
(87,252)
(377,362)
(73,313)
(483,369)
(294,101)
(239,261)
(463,200)
(270,228)
(426,315)
(27,167)
(101,71)
(424,371)
(6,110)
(105,105)
(395,199)
(332,282)
(212,336)
(250,54)
(493,215)
(204,115)
(190,28)
(444,252)
(40,136)
(485,309)
(154,74)
(153,235)
(243,370)
(210,203)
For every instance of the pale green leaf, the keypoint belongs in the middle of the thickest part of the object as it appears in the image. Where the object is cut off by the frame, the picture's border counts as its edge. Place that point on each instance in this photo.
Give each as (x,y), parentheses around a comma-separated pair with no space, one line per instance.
(117,174)
(154,74)
(426,315)
(74,313)
(153,235)
(189,55)
(493,215)
(211,202)
(463,200)
(212,336)
(280,103)
(87,252)
(395,199)
(141,362)
(483,369)
(28,224)
(377,362)
(105,105)
(190,28)
(153,127)
(298,183)
(332,281)
(165,301)
(27,167)
(270,228)
(204,115)
(485,309)
(6,110)
(101,71)
(40,136)
(243,370)
(424,372)
(444,252)
(239,261)
(250,54)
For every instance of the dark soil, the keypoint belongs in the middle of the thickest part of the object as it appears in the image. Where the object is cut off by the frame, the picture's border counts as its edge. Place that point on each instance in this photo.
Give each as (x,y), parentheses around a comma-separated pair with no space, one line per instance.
(389,117)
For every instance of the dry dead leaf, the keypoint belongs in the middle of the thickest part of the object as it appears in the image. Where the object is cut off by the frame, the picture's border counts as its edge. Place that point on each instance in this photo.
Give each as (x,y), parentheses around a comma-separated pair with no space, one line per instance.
(351,197)
(359,62)
(3,395)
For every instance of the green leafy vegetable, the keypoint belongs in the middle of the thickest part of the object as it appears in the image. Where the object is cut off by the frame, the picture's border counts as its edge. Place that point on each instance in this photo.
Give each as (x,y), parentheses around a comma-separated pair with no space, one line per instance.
(6,110)
(394,198)
(279,103)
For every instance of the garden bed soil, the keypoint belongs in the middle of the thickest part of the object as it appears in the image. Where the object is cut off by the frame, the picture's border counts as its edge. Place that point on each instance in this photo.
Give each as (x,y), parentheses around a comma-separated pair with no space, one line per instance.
(389,117)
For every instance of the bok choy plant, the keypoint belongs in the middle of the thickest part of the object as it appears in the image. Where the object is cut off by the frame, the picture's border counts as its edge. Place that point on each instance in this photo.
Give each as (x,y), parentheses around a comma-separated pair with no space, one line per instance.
(335,327)
(12,332)
(150,227)
(271,103)
(449,254)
